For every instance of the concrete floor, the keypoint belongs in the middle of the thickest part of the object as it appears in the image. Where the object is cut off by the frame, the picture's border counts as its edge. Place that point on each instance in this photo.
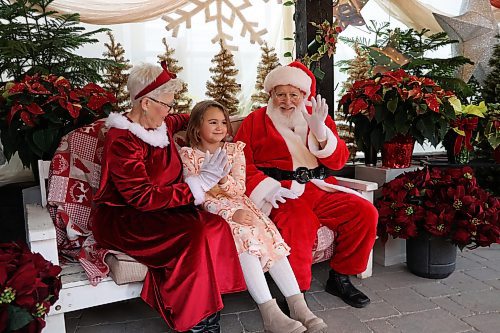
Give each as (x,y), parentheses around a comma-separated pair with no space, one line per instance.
(466,301)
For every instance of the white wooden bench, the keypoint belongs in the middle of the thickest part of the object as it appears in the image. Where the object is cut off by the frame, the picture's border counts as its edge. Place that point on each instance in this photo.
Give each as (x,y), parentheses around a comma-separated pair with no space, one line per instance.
(77,292)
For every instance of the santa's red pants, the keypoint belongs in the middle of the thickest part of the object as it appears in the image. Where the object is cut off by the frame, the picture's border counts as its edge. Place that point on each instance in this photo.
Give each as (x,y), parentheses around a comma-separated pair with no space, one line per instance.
(354,220)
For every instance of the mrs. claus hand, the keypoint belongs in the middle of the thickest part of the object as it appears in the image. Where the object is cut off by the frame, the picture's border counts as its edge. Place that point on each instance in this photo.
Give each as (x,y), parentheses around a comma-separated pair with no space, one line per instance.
(316,120)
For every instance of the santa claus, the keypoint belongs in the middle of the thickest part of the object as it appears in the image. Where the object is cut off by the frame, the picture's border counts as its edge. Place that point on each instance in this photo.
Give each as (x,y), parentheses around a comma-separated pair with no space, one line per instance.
(292,145)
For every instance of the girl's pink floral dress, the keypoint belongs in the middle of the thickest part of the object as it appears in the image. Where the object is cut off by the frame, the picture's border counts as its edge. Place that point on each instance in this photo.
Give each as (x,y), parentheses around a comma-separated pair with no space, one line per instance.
(262,239)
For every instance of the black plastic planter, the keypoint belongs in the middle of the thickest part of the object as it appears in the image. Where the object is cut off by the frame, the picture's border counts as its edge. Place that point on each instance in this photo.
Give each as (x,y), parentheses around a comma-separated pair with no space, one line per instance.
(430,257)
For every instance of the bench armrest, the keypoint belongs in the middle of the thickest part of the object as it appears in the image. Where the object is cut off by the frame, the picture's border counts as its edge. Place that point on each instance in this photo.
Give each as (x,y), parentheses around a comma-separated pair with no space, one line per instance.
(365,188)
(41,232)
(356,184)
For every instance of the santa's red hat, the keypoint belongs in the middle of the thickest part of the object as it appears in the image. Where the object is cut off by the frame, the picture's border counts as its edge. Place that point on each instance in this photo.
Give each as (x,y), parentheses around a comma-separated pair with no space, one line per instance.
(295,74)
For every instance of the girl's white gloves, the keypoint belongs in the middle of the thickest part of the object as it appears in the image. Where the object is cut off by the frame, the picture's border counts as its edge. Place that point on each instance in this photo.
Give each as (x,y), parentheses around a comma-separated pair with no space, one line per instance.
(316,120)
(214,168)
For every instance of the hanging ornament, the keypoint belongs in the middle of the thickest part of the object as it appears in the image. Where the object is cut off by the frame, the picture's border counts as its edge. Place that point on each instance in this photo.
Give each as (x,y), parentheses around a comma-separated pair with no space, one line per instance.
(495,3)
(475,30)
(394,55)
(348,12)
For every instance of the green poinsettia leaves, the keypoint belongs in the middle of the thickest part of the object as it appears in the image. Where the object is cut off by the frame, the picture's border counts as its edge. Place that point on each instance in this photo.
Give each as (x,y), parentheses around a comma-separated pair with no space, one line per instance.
(402,123)
(18,318)
(368,133)
(45,138)
(426,127)
(392,105)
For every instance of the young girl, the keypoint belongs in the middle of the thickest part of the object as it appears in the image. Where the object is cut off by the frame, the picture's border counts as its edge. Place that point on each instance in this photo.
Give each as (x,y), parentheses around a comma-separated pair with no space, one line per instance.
(260,246)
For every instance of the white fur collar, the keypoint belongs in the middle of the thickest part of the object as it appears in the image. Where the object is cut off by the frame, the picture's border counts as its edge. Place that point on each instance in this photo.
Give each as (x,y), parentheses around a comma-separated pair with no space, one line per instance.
(156,138)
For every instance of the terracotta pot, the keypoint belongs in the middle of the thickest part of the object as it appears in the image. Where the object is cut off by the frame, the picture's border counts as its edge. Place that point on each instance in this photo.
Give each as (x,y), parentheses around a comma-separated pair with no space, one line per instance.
(397,152)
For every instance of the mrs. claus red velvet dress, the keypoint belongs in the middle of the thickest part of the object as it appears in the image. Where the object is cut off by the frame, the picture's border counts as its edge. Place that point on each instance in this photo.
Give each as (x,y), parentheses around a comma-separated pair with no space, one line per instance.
(145,210)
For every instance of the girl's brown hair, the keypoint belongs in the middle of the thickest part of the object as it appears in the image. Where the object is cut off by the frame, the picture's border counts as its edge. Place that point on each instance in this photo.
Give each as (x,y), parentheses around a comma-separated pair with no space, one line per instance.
(196,118)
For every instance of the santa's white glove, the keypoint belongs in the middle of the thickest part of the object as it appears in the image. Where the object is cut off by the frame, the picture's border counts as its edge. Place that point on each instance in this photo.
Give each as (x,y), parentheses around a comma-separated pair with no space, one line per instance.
(280,195)
(213,169)
(316,120)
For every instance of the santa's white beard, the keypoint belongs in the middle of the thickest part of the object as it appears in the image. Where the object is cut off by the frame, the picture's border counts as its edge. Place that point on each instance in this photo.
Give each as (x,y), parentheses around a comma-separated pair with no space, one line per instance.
(291,120)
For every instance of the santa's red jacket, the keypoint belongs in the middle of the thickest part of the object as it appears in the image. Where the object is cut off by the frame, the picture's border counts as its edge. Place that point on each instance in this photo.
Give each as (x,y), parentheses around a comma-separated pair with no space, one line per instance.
(271,145)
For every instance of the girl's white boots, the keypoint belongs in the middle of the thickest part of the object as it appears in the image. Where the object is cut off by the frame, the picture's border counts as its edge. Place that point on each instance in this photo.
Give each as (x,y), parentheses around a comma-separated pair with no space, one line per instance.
(275,321)
(300,311)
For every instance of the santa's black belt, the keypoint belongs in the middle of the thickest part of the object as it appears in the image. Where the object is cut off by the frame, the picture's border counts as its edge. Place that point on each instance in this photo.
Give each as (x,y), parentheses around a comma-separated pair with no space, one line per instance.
(302,174)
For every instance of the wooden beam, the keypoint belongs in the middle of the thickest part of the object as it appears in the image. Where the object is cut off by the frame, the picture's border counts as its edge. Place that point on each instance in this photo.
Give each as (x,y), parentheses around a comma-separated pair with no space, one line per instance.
(307,11)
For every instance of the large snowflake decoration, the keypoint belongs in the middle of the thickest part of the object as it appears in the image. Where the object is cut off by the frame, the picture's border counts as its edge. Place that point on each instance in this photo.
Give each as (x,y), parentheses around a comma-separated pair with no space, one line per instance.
(215,11)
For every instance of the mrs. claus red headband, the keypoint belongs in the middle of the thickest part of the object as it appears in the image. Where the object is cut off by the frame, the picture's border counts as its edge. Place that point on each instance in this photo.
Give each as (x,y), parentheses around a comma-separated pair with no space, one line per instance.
(160,80)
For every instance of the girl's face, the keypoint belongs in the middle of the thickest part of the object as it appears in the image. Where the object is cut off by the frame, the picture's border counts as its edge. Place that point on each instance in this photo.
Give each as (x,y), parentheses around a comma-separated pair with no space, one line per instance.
(213,127)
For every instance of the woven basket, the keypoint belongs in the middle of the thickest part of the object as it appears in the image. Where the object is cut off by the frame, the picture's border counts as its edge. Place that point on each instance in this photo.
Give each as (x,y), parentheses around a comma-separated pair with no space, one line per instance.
(125,269)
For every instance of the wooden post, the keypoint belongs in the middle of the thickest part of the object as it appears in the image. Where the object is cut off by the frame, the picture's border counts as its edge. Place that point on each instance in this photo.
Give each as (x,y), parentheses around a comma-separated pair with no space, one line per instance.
(308,11)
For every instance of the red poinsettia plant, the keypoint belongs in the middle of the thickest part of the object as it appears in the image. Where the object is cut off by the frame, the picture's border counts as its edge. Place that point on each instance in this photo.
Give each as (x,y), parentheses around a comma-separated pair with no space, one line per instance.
(444,202)
(397,103)
(29,286)
(37,111)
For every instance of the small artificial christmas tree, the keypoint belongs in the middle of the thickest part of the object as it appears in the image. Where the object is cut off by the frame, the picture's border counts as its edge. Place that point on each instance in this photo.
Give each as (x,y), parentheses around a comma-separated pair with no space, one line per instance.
(346,133)
(115,77)
(359,68)
(182,100)
(223,87)
(268,61)
(491,91)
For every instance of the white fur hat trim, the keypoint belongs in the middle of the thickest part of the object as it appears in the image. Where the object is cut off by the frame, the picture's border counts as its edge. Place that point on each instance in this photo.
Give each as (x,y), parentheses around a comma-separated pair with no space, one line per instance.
(287,75)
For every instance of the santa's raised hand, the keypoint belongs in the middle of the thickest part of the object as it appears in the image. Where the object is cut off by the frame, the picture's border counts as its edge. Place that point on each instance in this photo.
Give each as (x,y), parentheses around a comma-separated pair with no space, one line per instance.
(316,120)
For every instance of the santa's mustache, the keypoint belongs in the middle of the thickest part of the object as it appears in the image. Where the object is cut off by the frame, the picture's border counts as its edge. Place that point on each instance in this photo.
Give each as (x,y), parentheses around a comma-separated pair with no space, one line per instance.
(298,108)
(290,119)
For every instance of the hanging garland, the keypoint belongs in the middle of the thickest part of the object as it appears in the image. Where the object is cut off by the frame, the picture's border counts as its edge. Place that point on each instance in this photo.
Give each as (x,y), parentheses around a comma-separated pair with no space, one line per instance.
(325,43)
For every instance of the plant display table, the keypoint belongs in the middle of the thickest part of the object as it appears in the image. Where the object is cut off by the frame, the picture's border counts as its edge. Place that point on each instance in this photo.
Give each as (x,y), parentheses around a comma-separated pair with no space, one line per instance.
(394,250)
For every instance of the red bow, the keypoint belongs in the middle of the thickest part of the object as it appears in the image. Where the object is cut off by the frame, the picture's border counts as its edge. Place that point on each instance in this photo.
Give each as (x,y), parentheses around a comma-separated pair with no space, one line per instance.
(467,125)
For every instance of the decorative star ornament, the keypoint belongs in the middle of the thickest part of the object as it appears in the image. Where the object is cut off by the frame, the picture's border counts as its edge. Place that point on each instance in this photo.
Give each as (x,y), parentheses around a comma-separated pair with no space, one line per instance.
(348,12)
(475,30)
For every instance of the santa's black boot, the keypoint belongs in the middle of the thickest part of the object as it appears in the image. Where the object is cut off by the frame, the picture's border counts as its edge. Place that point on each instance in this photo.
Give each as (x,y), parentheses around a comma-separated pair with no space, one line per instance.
(340,285)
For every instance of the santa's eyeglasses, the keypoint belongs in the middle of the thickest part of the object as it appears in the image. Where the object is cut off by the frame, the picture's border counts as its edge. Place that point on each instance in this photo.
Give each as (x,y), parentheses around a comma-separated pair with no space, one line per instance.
(284,96)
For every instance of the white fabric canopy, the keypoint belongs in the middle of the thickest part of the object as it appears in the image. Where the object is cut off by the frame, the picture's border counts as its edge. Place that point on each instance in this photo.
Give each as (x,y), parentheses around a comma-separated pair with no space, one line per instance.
(116,11)
(412,13)
(417,15)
